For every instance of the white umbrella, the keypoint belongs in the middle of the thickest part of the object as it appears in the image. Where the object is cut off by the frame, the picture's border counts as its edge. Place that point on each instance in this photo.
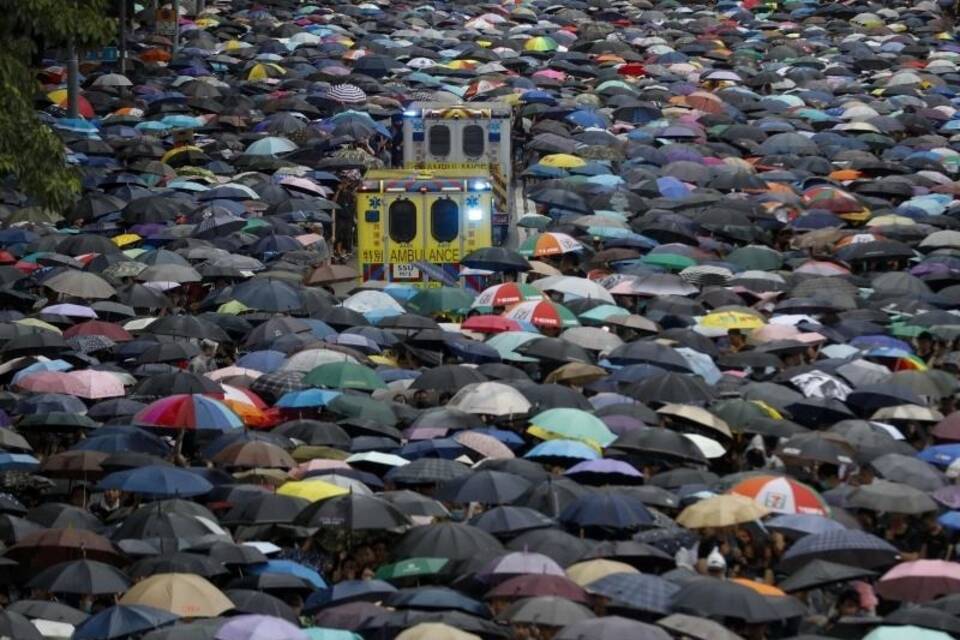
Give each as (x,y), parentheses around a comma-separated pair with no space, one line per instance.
(490,398)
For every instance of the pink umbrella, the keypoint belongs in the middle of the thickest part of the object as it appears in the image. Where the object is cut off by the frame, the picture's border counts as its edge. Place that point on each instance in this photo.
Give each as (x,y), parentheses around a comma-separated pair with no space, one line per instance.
(920,580)
(314,466)
(46,382)
(487,446)
(94,385)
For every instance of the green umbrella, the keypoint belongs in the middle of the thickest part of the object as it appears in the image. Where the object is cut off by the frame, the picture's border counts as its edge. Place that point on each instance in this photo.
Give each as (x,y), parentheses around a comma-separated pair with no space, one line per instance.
(357,406)
(573,424)
(672,261)
(602,312)
(319,633)
(344,375)
(440,300)
(411,568)
(534,221)
(756,257)
(508,342)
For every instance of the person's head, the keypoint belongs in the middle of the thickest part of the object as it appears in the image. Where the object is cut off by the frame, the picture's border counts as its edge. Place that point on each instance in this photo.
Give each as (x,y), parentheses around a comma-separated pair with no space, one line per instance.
(111,496)
(925,341)
(716,564)
(736,338)
(848,604)
(209,347)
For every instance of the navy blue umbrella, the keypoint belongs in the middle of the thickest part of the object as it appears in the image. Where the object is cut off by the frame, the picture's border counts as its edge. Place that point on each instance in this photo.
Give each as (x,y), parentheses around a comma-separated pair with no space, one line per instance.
(123,440)
(636,591)
(349,591)
(122,620)
(436,599)
(157,481)
(606,510)
(850,547)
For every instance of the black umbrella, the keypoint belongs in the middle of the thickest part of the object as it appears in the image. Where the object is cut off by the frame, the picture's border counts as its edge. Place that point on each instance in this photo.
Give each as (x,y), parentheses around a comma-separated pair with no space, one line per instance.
(48,610)
(81,577)
(485,487)
(563,547)
(495,259)
(353,512)
(710,597)
(656,445)
(267,508)
(508,521)
(820,573)
(178,563)
(447,378)
(446,540)
(258,602)
(925,617)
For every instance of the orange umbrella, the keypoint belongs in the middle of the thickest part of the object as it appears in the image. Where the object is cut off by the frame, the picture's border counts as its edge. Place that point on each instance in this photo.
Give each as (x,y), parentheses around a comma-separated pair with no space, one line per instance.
(762,588)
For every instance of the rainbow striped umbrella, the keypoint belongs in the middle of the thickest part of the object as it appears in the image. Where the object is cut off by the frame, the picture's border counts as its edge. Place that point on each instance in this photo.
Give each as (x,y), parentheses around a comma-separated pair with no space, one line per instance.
(188,411)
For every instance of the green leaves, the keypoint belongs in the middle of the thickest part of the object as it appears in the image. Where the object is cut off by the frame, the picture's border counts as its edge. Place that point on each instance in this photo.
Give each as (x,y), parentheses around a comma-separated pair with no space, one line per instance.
(28,149)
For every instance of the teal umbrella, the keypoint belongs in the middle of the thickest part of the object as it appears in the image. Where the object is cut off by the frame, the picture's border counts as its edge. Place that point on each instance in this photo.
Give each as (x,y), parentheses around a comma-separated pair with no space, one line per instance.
(344,375)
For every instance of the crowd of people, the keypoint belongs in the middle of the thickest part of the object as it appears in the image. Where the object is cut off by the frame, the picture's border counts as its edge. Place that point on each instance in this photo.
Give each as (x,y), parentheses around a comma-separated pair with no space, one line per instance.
(710,394)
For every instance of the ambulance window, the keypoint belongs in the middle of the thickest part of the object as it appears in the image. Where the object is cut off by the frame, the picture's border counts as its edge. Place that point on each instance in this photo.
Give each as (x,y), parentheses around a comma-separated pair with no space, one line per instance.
(439,140)
(444,220)
(403,221)
(474,138)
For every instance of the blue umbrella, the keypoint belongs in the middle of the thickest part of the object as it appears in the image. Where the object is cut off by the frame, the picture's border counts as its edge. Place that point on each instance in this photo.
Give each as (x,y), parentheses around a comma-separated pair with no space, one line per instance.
(18,462)
(608,510)
(349,591)
(446,448)
(570,449)
(156,480)
(131,439)
(950,519)
(941,455)
(122,620)
(306,398)
(265,361)
(290,568)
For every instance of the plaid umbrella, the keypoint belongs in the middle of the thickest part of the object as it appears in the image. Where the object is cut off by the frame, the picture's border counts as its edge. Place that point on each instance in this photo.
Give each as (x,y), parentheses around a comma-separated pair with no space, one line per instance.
(854,548)
(635,591)
(427,471)
(277,383)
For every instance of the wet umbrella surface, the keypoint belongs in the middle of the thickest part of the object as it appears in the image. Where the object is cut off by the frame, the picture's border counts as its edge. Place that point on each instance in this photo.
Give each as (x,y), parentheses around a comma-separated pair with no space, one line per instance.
(700,382)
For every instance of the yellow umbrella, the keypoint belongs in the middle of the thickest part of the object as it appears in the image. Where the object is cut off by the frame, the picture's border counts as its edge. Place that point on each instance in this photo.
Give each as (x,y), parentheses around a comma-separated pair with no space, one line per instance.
(728,320)
(125,239)
(562,161)
(721,511)
(264,70)
(185,594)
(37,324)
(177,150)
(234,307)
(435,631)
(312,490)
(583,573)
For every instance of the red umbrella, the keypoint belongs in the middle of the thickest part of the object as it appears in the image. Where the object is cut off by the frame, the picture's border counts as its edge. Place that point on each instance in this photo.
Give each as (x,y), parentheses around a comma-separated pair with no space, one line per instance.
(490,324)
(529,586)
(99,328)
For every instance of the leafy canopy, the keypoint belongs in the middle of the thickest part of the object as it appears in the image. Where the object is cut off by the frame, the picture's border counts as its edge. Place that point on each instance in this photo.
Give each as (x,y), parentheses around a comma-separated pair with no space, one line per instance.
(30,151)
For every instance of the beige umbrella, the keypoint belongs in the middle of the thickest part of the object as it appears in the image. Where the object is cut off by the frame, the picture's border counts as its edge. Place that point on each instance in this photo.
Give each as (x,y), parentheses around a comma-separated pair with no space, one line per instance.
(697,416)
(583,573)
(487,446)
(911,412)
(577,373)
(435,631)
(544,269)
(721,511)
(185,594)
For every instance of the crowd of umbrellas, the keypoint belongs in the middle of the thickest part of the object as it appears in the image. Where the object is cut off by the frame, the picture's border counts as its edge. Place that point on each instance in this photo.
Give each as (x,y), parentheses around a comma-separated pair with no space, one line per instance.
(710,395)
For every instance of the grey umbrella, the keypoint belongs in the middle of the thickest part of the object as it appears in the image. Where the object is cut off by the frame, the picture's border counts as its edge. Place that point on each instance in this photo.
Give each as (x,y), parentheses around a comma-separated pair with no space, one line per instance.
(909,470)
(891,497)
(698,628)
(611,628)
(547,611)
(80,284)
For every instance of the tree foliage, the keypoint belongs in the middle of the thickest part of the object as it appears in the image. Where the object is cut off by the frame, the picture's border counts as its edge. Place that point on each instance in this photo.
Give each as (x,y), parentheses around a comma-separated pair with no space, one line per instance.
(29,150)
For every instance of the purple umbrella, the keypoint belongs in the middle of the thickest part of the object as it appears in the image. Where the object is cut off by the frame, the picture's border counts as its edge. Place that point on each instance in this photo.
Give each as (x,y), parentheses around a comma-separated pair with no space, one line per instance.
(521,563)
(620,424)
(604,471)
(948,496)
(255,627)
